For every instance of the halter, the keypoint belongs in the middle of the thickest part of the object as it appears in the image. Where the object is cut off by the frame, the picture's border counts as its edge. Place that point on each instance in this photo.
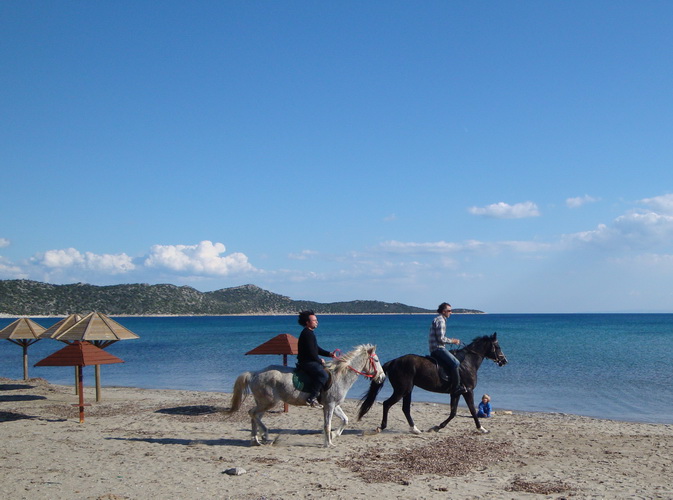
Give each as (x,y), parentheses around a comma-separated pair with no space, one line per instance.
(371,361)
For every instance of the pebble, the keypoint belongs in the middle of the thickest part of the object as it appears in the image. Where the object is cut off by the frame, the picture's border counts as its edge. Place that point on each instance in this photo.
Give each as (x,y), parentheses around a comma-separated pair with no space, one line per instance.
(235,471)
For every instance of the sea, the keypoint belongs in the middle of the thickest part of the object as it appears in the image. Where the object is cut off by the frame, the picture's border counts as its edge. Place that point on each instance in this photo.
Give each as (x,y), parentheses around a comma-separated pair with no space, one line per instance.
(610,366)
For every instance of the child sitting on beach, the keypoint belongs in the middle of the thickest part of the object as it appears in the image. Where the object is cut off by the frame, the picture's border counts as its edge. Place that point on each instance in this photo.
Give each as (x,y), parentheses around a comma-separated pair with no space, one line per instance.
(485,407)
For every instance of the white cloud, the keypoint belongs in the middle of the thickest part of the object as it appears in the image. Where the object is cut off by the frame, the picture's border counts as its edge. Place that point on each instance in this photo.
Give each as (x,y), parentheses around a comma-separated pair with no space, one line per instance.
(10,271)
(470,246)
(303,255)
(579,201)
(72,258)
(4,242)
(635,230)
(506,211)
(202,259)
(662,204)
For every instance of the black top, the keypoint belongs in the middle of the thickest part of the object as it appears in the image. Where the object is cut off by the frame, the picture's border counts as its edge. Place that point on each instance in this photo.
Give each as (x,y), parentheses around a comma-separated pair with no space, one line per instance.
(308,348)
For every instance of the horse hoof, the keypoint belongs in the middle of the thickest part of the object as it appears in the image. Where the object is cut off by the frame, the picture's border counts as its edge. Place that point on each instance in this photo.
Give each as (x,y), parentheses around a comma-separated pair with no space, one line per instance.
(414,430)
(378,430)
(481,430)
(436,428)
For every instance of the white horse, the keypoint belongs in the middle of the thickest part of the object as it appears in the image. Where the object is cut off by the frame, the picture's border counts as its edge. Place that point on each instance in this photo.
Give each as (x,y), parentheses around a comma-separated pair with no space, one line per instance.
(274,384)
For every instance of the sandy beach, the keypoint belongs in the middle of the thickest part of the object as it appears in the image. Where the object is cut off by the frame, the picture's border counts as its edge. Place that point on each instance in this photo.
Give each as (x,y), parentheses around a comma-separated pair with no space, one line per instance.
(138,444)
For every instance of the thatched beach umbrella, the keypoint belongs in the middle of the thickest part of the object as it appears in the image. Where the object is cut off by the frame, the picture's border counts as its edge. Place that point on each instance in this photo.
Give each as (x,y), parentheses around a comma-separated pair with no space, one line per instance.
(281,344)
(59,328)
(79,354)
(99,330)
(23,332)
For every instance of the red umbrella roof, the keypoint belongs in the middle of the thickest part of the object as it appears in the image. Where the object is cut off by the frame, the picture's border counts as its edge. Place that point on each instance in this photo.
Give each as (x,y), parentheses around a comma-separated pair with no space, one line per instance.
(280,344)
(79,354)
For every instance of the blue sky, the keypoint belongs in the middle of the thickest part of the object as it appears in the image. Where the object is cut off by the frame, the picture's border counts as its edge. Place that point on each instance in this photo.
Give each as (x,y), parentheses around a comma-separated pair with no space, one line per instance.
(505,156)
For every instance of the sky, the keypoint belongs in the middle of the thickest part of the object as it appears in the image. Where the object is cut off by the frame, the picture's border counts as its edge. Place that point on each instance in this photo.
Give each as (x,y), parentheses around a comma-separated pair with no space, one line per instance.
(507,156)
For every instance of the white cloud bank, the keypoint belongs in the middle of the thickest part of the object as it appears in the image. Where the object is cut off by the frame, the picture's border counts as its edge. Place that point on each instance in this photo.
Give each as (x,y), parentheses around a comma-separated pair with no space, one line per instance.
(72,258)
(202,259)
(506,211)
(636,230)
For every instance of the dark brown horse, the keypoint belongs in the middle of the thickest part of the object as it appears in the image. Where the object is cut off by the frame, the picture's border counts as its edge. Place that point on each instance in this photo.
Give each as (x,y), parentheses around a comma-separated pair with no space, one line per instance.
(412,370)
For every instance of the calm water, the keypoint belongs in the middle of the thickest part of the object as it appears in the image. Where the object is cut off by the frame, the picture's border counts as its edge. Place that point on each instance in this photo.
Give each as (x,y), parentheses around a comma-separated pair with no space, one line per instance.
(615,366)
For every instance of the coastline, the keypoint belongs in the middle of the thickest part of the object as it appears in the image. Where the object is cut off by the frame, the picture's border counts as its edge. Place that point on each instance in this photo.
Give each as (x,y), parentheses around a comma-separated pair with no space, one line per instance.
(145,443)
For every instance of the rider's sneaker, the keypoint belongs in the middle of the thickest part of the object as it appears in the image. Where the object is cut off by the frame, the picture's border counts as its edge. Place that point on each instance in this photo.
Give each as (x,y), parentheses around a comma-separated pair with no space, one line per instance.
(313,403)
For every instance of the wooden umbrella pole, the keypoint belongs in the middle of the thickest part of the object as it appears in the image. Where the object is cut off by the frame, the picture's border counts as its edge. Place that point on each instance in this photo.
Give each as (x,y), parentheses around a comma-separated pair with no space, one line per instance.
(285,406)
(77,368)
(25,361)
(98,391)
(81,395)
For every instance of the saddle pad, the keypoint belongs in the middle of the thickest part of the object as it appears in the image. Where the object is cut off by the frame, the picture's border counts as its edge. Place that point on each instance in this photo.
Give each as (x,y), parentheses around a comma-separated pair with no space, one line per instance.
(300,380)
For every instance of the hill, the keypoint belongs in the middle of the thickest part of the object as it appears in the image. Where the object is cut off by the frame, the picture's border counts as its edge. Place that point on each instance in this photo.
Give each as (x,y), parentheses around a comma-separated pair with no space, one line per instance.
(33,298)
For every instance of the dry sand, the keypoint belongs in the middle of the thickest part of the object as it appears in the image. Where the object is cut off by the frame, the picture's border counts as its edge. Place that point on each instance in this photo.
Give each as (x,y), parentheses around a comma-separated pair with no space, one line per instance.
(165,444)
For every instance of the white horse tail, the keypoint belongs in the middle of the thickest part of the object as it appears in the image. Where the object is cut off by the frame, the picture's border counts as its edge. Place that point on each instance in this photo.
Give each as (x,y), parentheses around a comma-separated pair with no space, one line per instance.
(241,390)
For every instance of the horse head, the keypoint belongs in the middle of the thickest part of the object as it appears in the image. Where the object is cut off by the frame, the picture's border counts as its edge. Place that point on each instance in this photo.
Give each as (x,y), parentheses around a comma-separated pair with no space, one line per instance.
(496,353)
(489,347)
(362,360)
(378,374)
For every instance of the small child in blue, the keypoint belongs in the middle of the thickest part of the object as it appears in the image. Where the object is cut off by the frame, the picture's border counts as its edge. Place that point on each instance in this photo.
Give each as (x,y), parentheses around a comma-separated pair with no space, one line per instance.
(485,407)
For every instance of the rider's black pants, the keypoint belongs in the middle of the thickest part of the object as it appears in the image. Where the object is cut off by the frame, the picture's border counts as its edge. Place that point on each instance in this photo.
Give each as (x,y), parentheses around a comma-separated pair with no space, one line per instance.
(318,375)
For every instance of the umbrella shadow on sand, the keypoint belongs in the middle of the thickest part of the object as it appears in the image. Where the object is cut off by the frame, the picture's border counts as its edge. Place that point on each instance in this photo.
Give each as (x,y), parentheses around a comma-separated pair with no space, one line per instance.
(11,416)
(193,410)
(188,442)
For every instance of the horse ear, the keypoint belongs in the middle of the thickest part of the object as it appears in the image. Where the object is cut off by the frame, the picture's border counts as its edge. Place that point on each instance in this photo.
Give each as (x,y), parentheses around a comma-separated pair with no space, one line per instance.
(494,336)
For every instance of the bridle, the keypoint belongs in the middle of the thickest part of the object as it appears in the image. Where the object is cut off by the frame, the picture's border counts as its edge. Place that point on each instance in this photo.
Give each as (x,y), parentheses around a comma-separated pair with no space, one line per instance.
(494,353)
(371,362)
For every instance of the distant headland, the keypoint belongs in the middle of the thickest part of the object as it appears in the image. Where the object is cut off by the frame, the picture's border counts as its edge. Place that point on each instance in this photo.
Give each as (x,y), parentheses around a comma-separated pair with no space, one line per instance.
(34,298)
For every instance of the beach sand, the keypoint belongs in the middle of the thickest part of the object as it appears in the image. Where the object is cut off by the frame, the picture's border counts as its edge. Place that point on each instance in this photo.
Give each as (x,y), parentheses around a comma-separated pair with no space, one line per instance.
(172,444)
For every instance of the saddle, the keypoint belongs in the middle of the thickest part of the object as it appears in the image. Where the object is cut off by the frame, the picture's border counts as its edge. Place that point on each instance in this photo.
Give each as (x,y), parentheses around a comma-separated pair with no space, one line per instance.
(443,376)
(302,381)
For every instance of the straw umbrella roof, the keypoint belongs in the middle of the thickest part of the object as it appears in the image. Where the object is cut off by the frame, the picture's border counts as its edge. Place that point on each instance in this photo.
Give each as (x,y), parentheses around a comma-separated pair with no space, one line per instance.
(79,354)
(61,326)
(96,327)
(22,329)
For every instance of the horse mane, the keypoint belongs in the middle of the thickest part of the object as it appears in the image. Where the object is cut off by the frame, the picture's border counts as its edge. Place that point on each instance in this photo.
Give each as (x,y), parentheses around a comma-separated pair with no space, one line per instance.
(342,363)
(460,353)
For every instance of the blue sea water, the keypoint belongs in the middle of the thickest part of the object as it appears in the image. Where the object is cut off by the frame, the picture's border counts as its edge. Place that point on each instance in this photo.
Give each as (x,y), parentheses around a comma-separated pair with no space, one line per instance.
(615,366)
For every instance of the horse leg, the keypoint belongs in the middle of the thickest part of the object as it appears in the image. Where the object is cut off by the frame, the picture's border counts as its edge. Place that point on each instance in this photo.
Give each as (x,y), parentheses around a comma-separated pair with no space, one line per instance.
(386,407)
(344,420)
(406,408)
(328,410)
(256,417)
(455,398)
(469,399)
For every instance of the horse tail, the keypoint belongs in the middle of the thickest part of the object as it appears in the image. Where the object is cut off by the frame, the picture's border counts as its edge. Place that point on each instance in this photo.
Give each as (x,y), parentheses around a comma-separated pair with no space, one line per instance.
(368,399)
(241,390)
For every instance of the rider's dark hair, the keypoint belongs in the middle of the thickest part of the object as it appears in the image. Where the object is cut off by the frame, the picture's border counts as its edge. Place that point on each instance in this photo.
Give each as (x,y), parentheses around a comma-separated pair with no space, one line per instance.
(303,317)
(442,306)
